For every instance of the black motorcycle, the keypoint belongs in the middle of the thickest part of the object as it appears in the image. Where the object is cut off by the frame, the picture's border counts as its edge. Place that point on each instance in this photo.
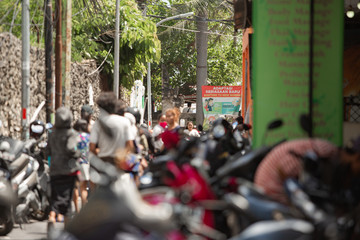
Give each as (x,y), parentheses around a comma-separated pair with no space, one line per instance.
(7,194)
(29,175)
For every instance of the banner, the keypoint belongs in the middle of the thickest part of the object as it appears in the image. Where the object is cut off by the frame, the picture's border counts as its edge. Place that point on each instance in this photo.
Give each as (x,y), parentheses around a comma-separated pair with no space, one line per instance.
(220,101)
(137,98)
(281,68)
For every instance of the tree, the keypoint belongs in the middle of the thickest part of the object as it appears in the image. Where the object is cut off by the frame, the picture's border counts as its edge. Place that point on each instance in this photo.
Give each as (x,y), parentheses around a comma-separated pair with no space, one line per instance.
(180,54)
(201,66)
(93,24)
(139,44)
(10,20)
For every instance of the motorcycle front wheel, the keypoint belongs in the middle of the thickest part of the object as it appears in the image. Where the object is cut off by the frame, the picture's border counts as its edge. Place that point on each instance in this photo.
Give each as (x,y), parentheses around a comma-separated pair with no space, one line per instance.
(6,221)
(43,213)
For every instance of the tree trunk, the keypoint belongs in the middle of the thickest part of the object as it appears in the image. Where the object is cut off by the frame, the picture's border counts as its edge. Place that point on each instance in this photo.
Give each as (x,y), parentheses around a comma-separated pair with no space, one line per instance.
(166,90)
(201,65)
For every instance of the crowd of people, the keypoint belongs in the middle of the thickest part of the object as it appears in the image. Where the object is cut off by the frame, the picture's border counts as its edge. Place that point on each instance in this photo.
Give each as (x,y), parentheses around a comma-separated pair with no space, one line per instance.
(118,138)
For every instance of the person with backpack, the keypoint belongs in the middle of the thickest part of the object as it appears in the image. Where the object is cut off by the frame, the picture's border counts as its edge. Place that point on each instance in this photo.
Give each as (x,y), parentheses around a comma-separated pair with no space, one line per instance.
(84,178)
(62,149)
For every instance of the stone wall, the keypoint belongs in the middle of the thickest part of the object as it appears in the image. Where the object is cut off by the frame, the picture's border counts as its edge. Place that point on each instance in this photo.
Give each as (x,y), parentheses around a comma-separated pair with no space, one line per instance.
(82,75)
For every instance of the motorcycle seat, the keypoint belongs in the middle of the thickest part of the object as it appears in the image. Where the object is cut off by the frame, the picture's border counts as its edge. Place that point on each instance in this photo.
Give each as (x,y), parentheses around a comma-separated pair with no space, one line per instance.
(18,164)
(243,165)
(261,206)
(16,146)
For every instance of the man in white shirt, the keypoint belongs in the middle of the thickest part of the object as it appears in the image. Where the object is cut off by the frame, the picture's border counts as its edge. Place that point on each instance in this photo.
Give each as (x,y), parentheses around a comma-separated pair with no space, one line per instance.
(188,108)
(110,132)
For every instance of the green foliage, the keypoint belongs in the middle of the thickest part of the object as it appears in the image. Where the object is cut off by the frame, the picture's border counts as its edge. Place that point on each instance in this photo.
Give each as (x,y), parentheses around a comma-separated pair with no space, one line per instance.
(93,26)
(178,47)
(93,37)
(224,63)
(10,19)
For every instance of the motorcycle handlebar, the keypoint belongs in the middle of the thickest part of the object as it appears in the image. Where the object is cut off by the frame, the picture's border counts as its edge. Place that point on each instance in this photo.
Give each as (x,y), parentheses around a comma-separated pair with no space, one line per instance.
(302,201)
(326,224)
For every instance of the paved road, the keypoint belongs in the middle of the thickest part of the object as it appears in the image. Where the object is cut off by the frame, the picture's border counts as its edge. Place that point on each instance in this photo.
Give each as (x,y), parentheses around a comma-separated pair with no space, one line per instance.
(34,230)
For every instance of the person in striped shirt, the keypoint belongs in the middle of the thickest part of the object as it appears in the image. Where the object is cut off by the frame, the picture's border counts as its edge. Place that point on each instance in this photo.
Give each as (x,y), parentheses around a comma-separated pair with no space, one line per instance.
(283,162)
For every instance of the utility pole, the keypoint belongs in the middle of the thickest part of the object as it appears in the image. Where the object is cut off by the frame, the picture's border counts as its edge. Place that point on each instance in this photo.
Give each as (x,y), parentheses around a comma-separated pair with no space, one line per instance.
(149,65)
(149,123)
(66,51)
(58,56)
(25,67)
(117,50)
(201,63)
(49,62)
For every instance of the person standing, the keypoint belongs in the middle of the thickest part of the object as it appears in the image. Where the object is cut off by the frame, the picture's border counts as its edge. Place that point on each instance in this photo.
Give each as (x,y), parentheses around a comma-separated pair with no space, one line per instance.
(159,128)
(111,132)
(188,108)
(83,126)
(62,149)
(87,114)
(84,178)
(171,135)
(191,131)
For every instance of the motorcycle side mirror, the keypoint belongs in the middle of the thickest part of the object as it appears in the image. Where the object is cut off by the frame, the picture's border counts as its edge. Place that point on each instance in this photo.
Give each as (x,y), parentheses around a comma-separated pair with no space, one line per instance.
(37,128)
(48,126)
(275,124)
(272,125)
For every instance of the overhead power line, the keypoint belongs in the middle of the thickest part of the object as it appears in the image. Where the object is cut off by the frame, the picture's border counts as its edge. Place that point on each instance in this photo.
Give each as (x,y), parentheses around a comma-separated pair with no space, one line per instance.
(195,31)
(14,16)
(7,13)
(96,70)
(192,19)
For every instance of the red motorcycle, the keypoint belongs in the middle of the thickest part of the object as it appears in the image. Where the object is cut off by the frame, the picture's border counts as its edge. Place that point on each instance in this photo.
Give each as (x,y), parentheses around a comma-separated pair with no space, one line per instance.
(182,180)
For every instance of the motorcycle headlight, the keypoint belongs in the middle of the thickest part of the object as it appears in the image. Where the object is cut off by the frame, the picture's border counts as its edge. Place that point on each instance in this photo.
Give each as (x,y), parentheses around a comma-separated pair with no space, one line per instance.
(4,173)
(2,186)
(4,146)
(219,131)
(37,128)
(146,178)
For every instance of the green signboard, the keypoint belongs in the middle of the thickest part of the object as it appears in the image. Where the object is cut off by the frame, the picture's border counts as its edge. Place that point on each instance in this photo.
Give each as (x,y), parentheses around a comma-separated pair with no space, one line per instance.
(280,58)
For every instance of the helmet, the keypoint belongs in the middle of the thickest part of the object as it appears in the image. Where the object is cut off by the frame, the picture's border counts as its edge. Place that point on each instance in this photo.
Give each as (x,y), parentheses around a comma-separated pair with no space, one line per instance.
(134,111)
(220,128)
(37,128)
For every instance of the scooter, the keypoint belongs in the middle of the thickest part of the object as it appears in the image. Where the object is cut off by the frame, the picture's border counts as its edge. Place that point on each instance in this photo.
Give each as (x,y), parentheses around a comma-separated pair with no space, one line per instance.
(24,178)
(42,188)
(323,215)
(29,180)
(116,210)
(7,195)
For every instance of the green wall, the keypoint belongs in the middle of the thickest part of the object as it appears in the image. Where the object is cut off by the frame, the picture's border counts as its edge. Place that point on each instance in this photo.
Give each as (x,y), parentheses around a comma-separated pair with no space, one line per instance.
(280,61)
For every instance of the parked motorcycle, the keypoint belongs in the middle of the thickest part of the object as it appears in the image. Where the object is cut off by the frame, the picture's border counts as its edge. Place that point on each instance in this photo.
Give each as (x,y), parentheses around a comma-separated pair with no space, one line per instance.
(116,210)
(7,195)
(326,208)
(29,176)
(187,173)
(293,229)
(38,152)
(244,166)
(203,163)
